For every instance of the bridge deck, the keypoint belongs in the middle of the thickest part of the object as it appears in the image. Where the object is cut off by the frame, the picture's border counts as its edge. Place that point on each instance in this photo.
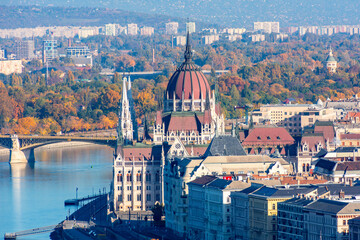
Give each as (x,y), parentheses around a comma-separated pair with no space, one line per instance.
(30,231)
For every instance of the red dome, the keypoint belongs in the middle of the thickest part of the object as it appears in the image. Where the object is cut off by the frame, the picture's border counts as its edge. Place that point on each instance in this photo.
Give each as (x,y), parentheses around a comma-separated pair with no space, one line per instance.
(189,79)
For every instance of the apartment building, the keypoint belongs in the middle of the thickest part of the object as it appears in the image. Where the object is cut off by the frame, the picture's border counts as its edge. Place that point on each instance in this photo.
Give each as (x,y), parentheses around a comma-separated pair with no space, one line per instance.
(210,207)
(171,28)
(267,27)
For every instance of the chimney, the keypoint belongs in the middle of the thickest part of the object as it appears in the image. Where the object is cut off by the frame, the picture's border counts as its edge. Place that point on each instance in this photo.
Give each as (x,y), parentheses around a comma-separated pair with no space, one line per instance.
(341,194)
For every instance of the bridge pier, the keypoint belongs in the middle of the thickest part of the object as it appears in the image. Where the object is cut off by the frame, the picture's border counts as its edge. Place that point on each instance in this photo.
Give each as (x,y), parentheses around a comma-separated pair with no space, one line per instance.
(18,156)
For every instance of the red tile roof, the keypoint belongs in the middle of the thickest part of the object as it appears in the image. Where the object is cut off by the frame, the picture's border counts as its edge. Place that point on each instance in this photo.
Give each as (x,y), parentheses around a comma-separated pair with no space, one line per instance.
(327,130)
(268,136)
(350,166)
(351,115)
(182,123)
(351,136)
(312,141)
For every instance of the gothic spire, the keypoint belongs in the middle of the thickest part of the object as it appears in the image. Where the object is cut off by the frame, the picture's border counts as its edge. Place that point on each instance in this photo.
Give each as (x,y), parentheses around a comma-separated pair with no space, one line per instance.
(188,51)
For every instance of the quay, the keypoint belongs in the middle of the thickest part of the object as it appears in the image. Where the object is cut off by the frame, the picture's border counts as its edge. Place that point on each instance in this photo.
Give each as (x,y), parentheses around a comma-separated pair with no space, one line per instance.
(76,201)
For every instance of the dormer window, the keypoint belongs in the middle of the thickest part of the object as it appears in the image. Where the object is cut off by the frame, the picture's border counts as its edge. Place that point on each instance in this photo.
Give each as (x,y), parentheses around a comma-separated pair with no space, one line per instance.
(268,137)
(278,137)
(259,138)
(305,147)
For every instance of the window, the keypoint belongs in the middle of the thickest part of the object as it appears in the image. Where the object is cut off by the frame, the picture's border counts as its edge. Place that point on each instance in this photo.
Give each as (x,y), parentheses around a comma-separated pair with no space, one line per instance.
(129,188)
(138,197)
(157,197)
(129,177)
(129,197)
(148,197)
(138,177)
(148,187)
(138,188)
(273,206)
(157,177)
(344,222)
(148,177)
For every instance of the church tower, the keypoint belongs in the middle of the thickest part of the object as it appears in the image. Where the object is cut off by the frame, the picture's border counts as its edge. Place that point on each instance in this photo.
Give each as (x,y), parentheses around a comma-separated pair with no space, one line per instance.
(331,63)
(125,126)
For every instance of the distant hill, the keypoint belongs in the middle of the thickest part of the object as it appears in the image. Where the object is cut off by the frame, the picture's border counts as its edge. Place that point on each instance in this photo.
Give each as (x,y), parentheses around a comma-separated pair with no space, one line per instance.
(235,13)
(33,16)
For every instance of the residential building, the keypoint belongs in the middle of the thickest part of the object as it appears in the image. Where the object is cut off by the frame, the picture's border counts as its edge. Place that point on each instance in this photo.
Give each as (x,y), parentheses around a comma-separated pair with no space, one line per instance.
(209,30)
(267,27)
(217,208)
(50,51)
(263,212)
(132,29)
(290,218)
(234,37)
(190,27)
(87,32)
(147,31)
(233,31)
(25,49)
(110,29)
(293,117)
(209,39)
(257,37)
(171,28)
(328,219)
(240,212)
(354,228)
(76,51)
(338,172)
(179,41)
(8,67)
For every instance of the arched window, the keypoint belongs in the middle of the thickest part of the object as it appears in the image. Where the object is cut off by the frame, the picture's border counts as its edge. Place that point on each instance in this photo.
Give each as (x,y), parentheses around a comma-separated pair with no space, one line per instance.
(119,178)
(148,177)
(129,177)
(138,177)
(307,167)
(157,177)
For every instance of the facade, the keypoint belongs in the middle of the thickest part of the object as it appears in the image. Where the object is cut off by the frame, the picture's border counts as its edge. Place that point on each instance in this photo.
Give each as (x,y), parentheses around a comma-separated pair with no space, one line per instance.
(190,27)
(257,37)
(179,41)
(209,39)
(110,29)
(293,117)
(77,51)
(263,212)
(331,63)
(171,28)
(267,27)
(328,219)
(190,111)
(8,67)
(240,212)
(354,228)
(25,49)
(132,29)
(147,31)
(50,51)
(291,218)
(268,140)
(210,207)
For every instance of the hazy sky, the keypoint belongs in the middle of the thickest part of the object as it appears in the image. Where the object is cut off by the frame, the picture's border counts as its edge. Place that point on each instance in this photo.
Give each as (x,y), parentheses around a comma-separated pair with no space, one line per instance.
(234,12)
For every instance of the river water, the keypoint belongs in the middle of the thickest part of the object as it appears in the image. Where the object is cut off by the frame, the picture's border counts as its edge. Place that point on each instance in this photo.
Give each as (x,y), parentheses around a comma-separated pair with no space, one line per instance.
(33,195)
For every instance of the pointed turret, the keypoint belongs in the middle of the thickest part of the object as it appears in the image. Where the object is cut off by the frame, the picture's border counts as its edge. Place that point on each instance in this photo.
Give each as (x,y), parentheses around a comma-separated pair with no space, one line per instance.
(188,51)
(125,127)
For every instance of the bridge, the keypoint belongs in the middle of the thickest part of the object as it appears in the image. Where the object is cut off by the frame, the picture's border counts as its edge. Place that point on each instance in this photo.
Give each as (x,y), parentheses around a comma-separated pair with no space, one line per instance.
(22,146)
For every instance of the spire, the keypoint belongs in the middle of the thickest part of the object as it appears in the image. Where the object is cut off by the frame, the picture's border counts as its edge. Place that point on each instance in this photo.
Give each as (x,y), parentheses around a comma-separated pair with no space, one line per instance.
(188,51)
(330,53)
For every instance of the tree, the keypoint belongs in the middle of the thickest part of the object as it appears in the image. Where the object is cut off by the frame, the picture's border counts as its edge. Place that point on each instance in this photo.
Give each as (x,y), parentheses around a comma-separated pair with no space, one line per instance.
(158,212)
(70,78)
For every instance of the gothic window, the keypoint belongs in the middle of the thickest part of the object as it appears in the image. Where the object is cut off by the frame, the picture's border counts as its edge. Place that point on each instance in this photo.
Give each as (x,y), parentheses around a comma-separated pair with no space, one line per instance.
(129,177)
(138,177)
(148,197)
(139,197)
(129,197)
(119,178)
(307,167)
(303,167)
(148,177)
(305,147)
(157,177)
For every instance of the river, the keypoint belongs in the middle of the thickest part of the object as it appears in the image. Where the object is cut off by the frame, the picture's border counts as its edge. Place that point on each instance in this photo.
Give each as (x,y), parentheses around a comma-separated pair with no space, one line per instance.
(32,195)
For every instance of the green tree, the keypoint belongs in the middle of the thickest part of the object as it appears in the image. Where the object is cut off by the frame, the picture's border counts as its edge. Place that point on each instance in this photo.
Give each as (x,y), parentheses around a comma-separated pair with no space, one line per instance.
(70,78)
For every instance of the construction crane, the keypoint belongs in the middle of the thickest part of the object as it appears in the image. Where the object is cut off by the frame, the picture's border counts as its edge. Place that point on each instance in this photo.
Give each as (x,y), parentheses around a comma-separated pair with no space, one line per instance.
(246,107)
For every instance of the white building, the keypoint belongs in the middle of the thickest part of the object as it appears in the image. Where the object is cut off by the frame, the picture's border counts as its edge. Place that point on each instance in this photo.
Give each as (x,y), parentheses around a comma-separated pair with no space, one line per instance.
(132,29)
(209,39)
(267,27)
(110,29)
(190,27)
(171,28)
(8,67)
(179,40)
(147,31)
(331,63)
